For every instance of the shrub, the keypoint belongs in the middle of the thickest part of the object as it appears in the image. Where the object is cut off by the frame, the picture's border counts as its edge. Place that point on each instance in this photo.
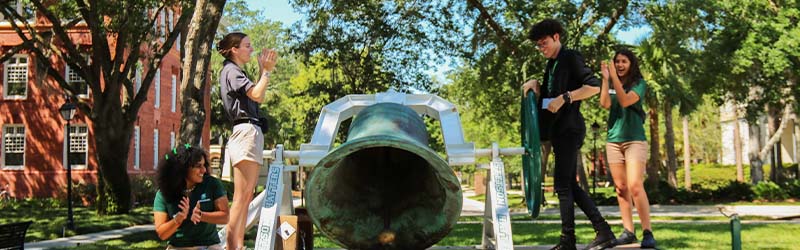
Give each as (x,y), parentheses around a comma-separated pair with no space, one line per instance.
(602,199)
(84,193)
(793,188)
(734,191)
(769,191)
(143,190)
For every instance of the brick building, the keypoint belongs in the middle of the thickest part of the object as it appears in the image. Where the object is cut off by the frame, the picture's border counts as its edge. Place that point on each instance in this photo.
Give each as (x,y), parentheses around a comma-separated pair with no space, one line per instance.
(32,149)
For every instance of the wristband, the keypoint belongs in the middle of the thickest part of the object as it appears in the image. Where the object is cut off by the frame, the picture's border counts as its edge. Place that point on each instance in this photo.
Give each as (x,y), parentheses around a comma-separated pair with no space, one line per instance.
(567,97)
(265,74)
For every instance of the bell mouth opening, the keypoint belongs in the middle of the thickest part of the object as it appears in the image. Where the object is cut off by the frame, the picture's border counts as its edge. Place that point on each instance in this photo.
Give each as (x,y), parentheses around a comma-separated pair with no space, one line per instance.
(377,186)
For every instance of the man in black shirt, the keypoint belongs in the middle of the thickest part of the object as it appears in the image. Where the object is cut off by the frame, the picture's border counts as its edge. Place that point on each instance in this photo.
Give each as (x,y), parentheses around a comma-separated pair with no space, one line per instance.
(567,81)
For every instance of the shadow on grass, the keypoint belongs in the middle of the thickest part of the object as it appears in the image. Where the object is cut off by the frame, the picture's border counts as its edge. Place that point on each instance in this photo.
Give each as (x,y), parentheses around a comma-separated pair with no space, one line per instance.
(49,220)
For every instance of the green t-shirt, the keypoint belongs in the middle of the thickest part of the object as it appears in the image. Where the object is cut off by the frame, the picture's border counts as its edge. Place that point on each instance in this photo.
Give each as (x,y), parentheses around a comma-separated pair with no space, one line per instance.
(627,124)
(189,234)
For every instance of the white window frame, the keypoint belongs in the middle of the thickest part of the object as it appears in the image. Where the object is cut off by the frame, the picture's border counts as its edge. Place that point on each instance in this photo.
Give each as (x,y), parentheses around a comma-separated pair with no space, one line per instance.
(67,77)
(157,98)
(137,147)
(4,145)
(14,62)
(156,156)
(174,92)
(73,139)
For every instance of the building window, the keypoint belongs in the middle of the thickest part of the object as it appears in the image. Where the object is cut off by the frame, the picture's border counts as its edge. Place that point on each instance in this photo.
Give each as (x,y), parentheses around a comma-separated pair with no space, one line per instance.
(178,43)
(174,91)
(15,77)
(163,17)
(171,19)
(136,147)
(171,139)
(74,79)
(16,5)
(13,146)
(137,83)
(155,23)
(156,156)
(78,146)
(158,89)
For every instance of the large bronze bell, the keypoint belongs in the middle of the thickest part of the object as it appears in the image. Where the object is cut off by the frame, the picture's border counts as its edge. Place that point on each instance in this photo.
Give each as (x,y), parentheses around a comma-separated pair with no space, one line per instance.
(384,188)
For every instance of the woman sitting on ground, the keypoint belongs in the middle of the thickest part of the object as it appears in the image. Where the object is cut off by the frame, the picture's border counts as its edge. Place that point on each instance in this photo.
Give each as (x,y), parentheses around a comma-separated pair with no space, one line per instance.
(190,202)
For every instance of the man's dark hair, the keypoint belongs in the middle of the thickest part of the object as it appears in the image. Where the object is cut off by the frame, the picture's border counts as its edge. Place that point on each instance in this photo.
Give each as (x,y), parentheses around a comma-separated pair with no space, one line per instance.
(547,27)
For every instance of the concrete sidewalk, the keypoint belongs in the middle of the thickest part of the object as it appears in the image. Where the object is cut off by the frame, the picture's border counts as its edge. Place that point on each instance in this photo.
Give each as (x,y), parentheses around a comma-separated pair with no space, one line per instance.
(78,240)
(472,208)
(775,212)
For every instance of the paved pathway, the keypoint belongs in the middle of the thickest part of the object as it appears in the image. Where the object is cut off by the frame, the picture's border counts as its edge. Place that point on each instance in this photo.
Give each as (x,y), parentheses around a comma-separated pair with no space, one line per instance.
(77,240)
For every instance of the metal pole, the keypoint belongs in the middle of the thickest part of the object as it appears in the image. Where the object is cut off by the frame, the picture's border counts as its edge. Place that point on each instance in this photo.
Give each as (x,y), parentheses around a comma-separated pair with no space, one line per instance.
(594,162)
(736,232)
(70,221)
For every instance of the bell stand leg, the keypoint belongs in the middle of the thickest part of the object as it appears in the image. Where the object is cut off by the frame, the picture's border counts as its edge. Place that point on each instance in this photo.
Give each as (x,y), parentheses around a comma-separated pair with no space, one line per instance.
(496,218)
(278,201)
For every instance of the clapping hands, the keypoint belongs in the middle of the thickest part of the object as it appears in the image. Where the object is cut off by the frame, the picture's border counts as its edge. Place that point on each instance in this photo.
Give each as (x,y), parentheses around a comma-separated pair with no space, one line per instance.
(197,213)
(184,210)
(267,60)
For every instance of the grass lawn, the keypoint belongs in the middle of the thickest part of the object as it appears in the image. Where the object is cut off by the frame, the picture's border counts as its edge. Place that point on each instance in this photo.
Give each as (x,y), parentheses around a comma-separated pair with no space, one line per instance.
(49,219)
(581,216)
(669,236)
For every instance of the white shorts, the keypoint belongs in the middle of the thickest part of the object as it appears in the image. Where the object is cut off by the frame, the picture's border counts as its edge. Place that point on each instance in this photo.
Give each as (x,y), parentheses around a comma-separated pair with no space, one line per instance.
(246,143)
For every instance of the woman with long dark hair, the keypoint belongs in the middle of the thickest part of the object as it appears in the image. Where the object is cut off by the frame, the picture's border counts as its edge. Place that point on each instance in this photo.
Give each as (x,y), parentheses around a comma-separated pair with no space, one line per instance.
(240,99)
(627,149)
(189,202)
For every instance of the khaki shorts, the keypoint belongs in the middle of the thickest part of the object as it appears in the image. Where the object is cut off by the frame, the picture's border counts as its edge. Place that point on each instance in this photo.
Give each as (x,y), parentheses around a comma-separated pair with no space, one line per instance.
(211,247)
(621,152)
(245,144)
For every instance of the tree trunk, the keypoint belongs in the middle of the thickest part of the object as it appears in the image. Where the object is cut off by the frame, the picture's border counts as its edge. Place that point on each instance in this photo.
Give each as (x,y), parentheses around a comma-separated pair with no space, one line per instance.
(737,144)
(756,170)
(687,174)
(582,173)
(112,139)
(774,123)
(796,151)
(669,145)
(199,40)
(655,157)
(102,196)
(756,156)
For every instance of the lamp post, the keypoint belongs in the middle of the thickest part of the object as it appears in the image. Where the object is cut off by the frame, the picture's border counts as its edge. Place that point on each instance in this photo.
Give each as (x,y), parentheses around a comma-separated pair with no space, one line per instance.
(68,112)
(595,128)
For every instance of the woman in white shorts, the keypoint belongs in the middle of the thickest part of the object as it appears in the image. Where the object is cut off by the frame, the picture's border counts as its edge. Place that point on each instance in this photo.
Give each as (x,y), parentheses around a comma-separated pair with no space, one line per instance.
(241,98)
(627,144)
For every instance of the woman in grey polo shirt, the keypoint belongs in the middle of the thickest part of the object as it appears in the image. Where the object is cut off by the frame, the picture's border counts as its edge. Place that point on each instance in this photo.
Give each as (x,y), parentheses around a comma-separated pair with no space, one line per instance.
(241,98)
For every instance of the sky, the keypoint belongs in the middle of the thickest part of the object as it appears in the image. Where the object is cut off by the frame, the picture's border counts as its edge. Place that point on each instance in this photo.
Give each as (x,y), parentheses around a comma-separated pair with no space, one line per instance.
(279,10)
